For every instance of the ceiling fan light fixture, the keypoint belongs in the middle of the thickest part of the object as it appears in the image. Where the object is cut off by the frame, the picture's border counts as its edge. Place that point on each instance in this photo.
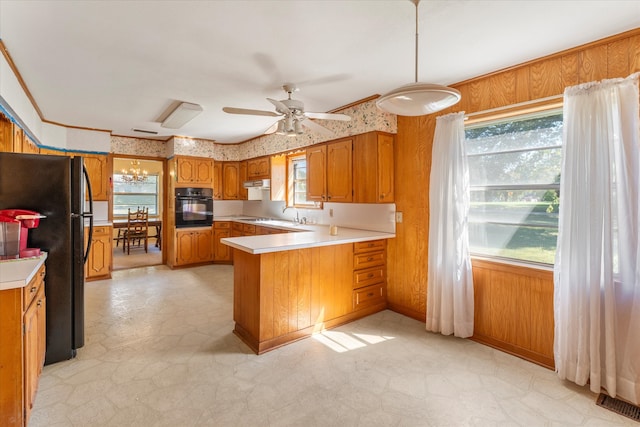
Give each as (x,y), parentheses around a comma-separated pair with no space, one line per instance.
(280,130)
(298,127)
(418,99)
(184,112)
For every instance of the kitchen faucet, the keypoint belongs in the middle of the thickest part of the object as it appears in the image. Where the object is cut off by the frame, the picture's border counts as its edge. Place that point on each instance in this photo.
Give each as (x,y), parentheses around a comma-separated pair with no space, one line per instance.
(296,219)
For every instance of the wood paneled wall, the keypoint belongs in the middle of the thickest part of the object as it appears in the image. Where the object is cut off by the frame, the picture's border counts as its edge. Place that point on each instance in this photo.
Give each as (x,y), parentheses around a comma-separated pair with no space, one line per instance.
(617,56)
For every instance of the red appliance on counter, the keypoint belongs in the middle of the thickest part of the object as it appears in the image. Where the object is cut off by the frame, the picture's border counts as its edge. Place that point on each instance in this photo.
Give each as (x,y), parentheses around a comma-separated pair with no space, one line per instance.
(25,219)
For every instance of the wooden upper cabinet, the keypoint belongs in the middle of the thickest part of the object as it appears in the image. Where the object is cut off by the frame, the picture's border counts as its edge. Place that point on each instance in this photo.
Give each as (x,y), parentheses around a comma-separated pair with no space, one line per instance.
(230,180)
(373,168)
(243,193)
(259,168)
(317,173)
(18,138)
(194,171)
(99,174)
(329,169)
(29,147)
(217,180)
(339,171)
(6,134)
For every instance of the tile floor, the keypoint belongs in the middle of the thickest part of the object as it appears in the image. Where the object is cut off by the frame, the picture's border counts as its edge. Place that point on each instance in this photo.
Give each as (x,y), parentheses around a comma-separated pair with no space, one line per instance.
(160,352)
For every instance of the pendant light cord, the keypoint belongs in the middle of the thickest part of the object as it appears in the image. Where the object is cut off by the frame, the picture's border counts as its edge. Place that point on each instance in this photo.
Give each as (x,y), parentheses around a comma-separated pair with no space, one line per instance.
(416,2)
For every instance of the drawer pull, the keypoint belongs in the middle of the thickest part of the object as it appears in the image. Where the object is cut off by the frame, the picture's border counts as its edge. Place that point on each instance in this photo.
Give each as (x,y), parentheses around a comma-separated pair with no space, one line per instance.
(370,245)
(370,294)
(33,289)
(39,303)
(42,273)
(370,275)
(370,259)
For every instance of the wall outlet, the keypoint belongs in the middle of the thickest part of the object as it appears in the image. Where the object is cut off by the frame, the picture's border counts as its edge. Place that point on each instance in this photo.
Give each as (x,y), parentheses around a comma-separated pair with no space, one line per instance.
(330,213)
(398,217)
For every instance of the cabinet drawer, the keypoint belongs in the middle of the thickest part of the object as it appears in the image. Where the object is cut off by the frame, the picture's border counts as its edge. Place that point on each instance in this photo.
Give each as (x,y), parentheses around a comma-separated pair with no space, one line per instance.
(248,228)
(374,245)
(370,259)
(237,226)
(222,224)
(368,296)
(102,231)
(368,277)
(31,290)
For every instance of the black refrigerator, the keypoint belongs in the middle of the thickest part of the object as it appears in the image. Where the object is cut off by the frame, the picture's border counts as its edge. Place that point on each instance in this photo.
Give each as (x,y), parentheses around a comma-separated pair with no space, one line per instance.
(55,186)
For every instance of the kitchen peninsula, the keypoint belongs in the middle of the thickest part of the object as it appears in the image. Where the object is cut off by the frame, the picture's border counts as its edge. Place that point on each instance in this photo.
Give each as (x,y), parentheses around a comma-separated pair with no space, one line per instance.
(289,285)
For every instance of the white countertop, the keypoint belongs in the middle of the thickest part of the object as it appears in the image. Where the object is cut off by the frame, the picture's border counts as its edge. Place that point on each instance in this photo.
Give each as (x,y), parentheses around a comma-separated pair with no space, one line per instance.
(307,236)
(17,273)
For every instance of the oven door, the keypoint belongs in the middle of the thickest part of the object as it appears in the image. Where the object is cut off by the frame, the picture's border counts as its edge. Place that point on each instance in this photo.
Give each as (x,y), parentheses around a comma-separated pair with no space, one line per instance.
(194,211)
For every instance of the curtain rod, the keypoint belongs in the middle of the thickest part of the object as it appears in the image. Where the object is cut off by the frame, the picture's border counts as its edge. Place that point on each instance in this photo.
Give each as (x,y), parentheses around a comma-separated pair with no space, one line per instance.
(520,104)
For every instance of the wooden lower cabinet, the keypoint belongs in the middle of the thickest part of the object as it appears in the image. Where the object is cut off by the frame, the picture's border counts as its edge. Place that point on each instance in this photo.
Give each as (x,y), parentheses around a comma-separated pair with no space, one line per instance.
(221,252)
(193,246)
(23,322)
(280,297)
(100,261)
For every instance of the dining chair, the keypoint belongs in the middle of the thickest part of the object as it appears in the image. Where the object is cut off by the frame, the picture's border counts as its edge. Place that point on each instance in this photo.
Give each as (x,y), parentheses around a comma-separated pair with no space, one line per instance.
(137,229)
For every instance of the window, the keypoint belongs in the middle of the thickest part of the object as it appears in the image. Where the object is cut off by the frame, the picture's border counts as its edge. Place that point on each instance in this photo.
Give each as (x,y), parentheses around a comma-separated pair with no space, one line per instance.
(297,196)
(133,195)
(514,170)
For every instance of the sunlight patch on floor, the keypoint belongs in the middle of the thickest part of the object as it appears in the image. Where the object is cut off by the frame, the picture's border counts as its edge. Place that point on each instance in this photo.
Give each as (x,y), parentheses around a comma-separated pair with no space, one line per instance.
(341,342)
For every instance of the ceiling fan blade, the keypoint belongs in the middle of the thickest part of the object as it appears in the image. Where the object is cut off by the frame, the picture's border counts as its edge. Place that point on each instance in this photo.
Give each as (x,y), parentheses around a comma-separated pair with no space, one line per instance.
(232,110)
(328,116)
(280,107)
(313,126)
(272,128)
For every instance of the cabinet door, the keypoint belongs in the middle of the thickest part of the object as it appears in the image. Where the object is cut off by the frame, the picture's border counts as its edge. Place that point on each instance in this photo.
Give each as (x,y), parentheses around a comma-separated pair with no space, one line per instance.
(222,252)
(185,171)
(100,255)
(6,134)
(33,348)
(365,170)
(386,193)
(203,172)
(99,173)
(316,173)
(339,177)
(230,174)
(203,249)
(243,193)
(184,248)
(217,180)
(258,168)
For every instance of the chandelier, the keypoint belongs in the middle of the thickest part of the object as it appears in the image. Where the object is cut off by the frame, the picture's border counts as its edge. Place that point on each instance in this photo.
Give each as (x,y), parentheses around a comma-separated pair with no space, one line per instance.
(134,174)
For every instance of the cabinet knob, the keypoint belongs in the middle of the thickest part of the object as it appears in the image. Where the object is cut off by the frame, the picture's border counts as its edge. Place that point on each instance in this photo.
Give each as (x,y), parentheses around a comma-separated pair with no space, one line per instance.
(329,197)
(370,294)
(33,289)
(370,259)
(39,303)
(370,275)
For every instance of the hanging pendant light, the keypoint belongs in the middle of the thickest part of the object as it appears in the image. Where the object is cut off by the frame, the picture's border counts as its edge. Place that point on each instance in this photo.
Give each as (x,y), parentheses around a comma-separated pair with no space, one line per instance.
(418,99)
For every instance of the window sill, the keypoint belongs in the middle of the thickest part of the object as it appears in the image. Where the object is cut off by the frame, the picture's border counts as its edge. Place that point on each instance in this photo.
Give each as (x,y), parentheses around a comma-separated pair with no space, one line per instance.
(476,259)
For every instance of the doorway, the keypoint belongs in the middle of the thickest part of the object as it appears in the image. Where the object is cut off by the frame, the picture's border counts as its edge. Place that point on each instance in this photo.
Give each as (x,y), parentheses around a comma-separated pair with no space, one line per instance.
(137,183)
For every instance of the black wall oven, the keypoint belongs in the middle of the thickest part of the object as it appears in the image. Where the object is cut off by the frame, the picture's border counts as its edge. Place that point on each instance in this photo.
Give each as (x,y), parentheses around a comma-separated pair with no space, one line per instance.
(194,207)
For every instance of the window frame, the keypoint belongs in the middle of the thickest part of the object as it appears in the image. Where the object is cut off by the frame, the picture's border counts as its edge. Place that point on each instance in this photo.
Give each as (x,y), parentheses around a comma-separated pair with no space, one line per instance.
(292,159)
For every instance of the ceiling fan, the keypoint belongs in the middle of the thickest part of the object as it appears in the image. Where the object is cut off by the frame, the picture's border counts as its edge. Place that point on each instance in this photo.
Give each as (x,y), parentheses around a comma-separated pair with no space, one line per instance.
(292,115)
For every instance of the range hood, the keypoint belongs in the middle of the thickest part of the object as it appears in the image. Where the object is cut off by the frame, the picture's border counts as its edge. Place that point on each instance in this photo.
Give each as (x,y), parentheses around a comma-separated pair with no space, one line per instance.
(260,183)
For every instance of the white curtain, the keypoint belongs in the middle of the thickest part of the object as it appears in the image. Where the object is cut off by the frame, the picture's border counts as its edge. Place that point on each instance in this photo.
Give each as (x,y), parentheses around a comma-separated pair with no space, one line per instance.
(597,268)
(450,280)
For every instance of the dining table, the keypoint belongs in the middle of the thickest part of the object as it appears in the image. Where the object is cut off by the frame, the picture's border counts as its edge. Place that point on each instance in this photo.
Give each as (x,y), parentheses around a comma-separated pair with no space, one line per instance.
(119,224)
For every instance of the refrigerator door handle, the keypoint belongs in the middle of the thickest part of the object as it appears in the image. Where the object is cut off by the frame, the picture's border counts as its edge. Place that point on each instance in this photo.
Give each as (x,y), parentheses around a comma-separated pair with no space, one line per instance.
(88,214)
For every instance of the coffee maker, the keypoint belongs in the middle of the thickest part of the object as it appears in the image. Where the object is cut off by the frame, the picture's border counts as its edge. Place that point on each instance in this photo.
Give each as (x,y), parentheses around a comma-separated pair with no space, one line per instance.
(14,230)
